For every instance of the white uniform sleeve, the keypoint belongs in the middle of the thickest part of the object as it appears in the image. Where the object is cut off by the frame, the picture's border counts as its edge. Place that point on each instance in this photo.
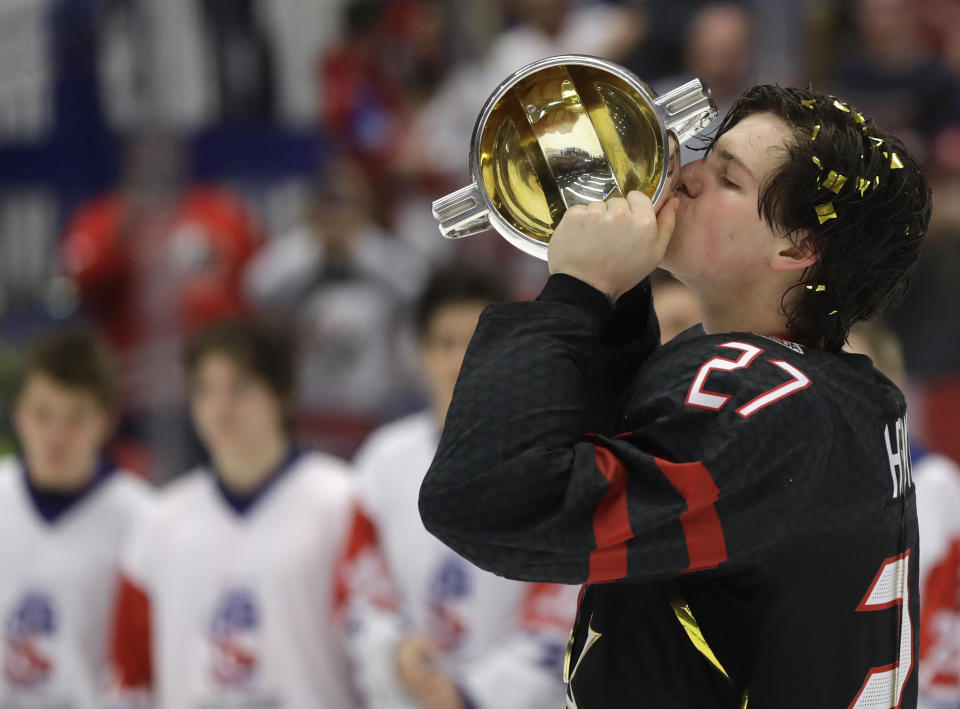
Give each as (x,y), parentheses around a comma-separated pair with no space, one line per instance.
(368,609)
(526,670)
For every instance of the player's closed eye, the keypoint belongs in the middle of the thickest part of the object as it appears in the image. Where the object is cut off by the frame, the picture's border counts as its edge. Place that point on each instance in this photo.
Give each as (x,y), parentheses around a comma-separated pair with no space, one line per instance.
(726,182)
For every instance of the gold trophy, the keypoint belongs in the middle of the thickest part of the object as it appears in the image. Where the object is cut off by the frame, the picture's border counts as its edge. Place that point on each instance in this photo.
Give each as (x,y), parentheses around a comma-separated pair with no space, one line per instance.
(569,130)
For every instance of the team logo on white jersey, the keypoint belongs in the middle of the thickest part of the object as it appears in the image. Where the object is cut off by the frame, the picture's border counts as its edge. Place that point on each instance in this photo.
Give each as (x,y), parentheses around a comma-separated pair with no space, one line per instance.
(450,585)
(233,633)
(28,633)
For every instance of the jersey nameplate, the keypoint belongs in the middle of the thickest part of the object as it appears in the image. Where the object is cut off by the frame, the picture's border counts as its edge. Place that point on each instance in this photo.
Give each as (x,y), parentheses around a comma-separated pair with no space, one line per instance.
(786,343)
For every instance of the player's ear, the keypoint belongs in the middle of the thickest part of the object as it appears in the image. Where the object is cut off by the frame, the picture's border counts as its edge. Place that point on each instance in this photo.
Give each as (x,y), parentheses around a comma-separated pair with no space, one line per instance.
(794,253)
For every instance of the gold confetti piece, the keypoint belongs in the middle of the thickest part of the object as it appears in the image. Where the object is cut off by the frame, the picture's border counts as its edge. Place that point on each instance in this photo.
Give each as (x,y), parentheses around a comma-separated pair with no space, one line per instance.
(895,163)
(858,117)
(840,107)
(809,103)
(886,154)
(825,212)
(862,186)
(906,232)
(816,161)
(816,132)
(833,312)
(876,182)
(876,141)
(835,181)
(821,288)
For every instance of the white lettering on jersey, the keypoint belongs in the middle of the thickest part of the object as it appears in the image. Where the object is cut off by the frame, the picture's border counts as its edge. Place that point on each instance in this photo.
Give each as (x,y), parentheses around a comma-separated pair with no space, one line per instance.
(898,453)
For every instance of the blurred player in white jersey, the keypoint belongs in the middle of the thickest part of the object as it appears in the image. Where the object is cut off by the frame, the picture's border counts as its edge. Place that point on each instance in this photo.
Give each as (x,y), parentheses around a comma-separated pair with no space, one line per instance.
(477,641)
(64,512)
(235,594)
(938,512)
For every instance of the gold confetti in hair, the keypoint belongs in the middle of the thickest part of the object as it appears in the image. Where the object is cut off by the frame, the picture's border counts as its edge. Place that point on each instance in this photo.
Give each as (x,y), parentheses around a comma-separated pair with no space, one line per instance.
(834,181)
(816,132)
(825,212)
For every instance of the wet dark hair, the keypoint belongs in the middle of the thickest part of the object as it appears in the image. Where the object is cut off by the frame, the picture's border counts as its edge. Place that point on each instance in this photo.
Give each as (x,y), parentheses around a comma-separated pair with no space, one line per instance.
(259,349)
(76,357)
(455,284)
(867,251)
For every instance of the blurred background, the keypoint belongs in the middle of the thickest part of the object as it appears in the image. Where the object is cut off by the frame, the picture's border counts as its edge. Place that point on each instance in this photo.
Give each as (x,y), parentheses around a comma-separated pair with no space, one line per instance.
(168,163)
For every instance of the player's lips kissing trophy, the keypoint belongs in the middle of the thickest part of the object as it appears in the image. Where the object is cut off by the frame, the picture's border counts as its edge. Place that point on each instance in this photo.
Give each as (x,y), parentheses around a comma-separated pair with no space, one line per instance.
(569,130)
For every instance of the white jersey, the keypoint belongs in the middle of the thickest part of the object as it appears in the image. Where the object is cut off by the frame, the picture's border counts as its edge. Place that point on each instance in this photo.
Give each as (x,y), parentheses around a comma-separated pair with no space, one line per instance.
(938,512)
(503,641)
(238,607)
(57,587)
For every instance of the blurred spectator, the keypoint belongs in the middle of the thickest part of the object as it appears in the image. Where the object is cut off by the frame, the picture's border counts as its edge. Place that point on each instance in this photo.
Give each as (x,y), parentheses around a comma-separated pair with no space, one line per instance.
(343,284)
(65,511)
(941,21)
(937,480)
(718,47)
(364,102)
(677,307)
(243,59)
(661,51)
(196,63)
(889,72)
(547,27)
(476,640)
(152,262)
(236,593)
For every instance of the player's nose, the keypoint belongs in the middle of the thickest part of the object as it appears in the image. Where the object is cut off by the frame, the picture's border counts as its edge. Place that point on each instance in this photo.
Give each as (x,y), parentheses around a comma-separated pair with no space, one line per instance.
(691,179)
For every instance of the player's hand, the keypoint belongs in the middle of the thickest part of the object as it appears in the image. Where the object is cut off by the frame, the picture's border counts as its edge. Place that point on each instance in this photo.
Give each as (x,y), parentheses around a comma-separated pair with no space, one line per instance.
(416,666)
(612,245)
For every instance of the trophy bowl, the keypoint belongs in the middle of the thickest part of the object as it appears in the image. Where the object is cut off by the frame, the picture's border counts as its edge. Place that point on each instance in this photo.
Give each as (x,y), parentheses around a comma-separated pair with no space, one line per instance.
(564,131)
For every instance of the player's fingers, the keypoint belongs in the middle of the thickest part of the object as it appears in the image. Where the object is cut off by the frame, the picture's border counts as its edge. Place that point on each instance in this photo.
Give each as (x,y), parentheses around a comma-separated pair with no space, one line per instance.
(617,204)
(666,222)
(596,207)
(639,202)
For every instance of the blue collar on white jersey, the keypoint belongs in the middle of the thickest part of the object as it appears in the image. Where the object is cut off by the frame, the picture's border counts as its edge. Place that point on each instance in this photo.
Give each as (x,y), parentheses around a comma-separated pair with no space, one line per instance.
(51,506)
(241,503)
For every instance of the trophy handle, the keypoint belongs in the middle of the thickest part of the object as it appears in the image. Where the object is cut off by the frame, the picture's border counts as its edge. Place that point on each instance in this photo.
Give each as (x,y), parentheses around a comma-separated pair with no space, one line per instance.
(687,109)
(462,213)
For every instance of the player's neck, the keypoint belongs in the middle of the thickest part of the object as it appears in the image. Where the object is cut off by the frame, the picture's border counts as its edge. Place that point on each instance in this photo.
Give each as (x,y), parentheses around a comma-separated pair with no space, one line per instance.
(243,471)
(61,482)
(743,309)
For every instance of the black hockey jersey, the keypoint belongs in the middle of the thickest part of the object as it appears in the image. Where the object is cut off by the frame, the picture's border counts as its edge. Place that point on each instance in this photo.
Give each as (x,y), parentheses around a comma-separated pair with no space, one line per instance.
(739,507)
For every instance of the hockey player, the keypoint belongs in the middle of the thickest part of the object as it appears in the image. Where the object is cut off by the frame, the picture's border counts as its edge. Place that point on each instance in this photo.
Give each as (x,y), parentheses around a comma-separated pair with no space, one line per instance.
(476,640)
(938,512)
(64,513)
(738,501)
(236,592)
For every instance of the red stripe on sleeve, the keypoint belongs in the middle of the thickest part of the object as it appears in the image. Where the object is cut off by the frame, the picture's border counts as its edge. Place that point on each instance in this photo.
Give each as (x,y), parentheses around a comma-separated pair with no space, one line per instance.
(611,522)
(130,642)
(706,546)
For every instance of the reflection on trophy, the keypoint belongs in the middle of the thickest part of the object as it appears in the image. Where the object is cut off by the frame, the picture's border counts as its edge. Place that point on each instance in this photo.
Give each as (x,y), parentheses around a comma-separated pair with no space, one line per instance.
(569,130)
